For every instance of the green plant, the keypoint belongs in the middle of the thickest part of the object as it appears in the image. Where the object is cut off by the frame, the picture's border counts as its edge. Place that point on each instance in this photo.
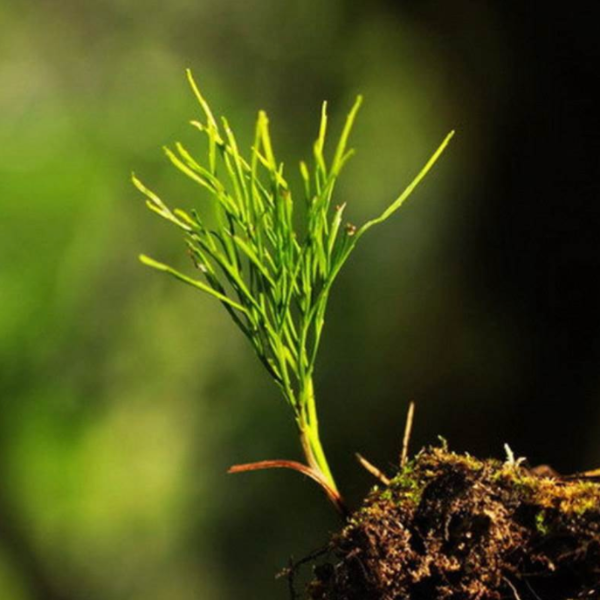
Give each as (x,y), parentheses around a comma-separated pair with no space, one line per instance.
(273,279)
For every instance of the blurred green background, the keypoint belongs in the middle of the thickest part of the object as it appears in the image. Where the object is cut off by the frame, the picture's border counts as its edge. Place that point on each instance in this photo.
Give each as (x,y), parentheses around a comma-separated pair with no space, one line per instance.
(125,396)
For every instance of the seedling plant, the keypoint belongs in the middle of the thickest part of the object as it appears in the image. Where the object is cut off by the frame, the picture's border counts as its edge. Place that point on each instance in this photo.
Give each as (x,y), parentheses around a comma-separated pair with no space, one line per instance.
(270,268)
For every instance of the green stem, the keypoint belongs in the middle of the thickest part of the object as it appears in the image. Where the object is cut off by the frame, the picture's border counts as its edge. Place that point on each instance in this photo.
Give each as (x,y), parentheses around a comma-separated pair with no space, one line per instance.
(308,425)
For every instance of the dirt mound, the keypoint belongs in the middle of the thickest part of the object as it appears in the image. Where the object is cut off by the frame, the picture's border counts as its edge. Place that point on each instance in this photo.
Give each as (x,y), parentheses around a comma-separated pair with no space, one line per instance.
(451,527)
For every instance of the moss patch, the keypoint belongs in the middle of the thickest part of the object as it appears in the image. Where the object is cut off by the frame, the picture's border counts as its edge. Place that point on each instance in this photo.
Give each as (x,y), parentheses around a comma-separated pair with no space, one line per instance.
(451,527)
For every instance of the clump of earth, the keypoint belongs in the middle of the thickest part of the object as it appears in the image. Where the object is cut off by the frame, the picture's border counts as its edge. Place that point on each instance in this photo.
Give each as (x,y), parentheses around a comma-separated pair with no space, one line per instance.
(452,527)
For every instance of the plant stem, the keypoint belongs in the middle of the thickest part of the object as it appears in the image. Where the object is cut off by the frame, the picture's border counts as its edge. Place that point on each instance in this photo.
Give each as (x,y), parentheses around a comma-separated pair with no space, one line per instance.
(273,280)
(308,425)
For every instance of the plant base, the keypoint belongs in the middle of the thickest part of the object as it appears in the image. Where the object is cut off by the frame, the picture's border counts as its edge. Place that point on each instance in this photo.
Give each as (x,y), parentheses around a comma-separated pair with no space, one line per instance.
(450,527)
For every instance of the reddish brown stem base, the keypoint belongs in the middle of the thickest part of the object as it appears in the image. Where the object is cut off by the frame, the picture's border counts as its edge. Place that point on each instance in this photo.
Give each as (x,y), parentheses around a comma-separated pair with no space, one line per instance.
(332,494)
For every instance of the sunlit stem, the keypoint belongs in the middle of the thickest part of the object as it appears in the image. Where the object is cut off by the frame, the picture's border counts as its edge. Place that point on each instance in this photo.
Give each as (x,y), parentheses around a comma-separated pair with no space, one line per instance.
(308,425)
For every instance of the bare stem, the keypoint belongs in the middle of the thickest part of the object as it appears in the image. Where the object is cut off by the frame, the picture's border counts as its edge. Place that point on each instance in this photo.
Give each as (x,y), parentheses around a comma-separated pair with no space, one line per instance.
(308,425)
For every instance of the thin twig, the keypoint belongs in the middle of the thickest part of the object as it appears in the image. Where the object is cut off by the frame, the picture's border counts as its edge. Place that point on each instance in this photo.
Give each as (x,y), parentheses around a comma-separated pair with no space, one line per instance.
(532,590)
(289,572)
(593,475)
(377,473)
(513,588)
(333,495)
(407,432)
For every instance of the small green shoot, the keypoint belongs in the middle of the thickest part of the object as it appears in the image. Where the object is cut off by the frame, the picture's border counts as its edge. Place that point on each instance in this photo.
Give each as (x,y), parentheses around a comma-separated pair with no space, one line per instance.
(273,280)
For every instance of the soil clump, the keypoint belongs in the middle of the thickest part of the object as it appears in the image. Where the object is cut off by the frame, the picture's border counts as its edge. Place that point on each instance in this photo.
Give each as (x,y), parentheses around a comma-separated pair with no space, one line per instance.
(452,527)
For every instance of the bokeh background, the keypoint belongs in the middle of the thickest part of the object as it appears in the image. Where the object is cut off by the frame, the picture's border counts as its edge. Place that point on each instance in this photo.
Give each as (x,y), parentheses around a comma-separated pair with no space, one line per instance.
(125,396)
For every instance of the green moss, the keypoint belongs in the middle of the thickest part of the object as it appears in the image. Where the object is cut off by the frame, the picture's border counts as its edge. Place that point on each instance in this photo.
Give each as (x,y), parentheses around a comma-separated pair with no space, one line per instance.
(565,495)
(540,523)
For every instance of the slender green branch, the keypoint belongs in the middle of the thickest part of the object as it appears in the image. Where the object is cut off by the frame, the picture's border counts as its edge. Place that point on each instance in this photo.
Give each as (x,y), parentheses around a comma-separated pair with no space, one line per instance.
(272,279)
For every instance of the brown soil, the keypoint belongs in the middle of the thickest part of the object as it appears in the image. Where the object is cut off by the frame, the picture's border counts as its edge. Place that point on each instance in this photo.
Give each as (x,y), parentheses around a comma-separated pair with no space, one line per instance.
(450,527)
